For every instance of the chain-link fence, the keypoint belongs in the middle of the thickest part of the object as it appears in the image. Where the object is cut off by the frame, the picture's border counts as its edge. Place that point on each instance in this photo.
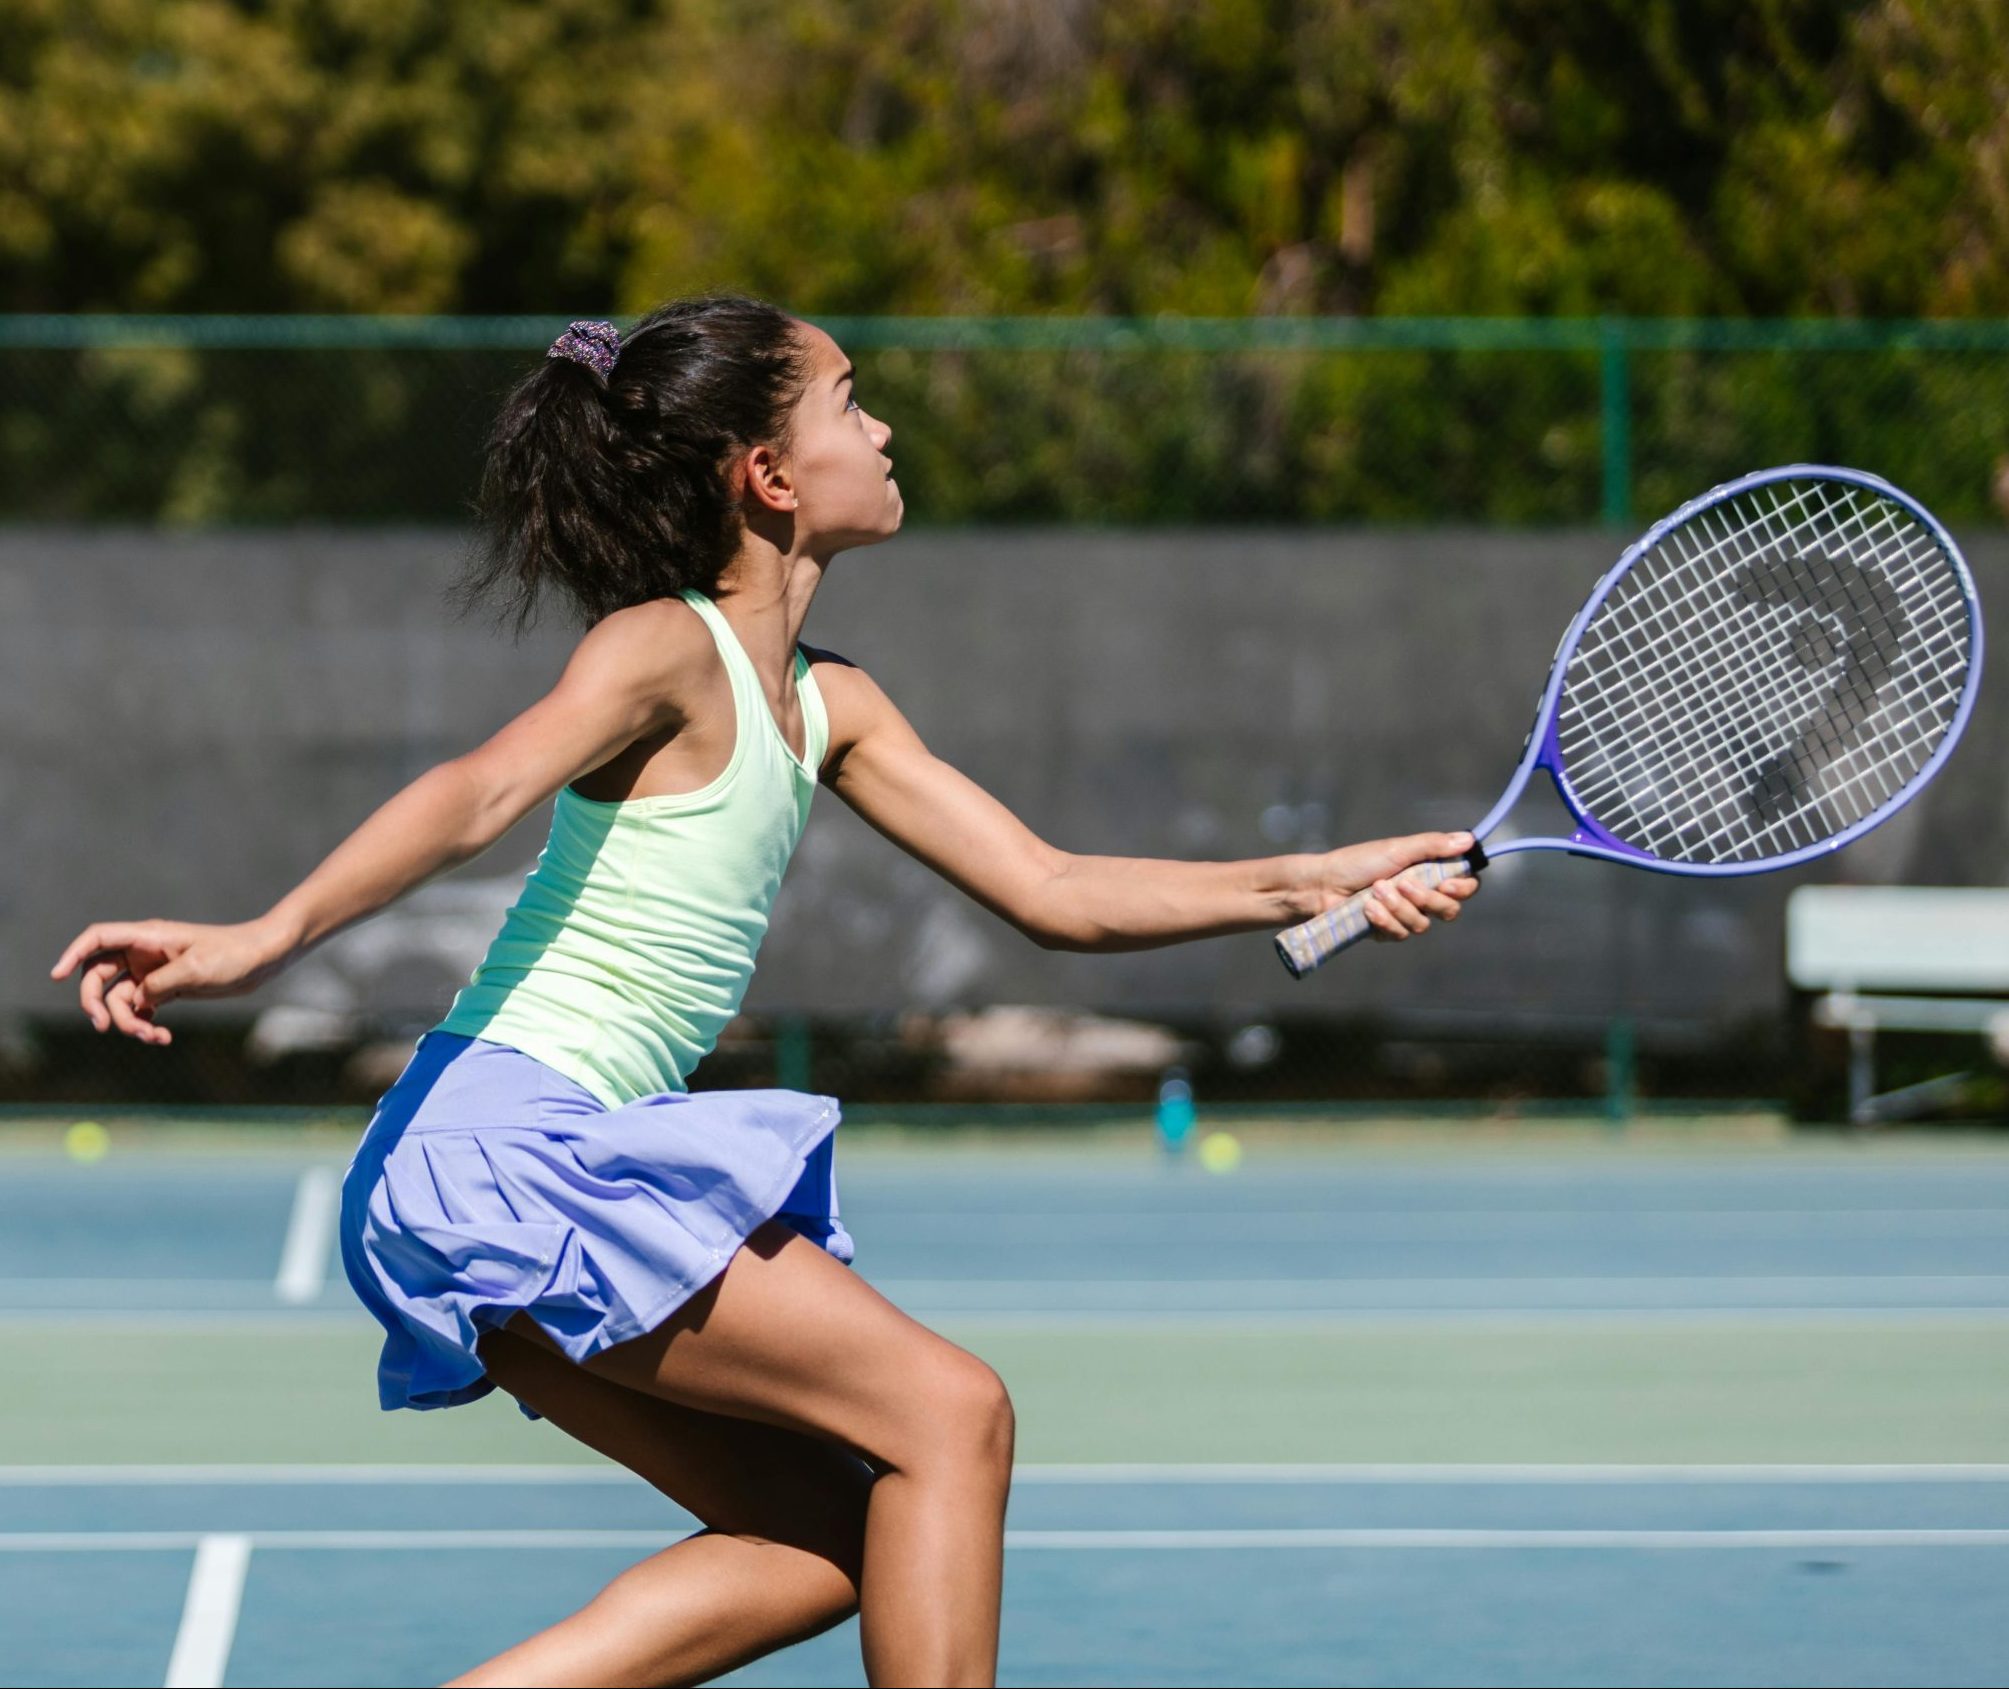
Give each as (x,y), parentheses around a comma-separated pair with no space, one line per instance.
(1442,434)
(239,420)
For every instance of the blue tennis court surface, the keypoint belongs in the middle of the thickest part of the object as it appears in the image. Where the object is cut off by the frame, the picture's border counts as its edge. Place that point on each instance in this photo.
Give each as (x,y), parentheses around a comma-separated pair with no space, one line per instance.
(1104,1235)
(1548,1419)
(1298,1576)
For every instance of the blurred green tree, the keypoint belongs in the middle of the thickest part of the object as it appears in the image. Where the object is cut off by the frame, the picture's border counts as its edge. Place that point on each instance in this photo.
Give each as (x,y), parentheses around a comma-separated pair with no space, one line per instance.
(926,156)
(1040,157)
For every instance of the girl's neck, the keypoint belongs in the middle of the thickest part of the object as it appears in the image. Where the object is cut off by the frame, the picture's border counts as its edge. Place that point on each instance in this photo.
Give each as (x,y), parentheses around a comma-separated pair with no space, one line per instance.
(766,595)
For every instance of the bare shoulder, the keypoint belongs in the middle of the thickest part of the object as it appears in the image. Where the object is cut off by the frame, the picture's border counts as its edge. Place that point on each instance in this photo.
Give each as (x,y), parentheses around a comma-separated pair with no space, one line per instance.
(657,651)
(656,633)
(853,701)
(831,670)
(846,687)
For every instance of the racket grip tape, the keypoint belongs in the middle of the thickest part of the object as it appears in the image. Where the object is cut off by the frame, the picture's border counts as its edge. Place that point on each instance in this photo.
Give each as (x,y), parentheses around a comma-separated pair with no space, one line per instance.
(1315,942)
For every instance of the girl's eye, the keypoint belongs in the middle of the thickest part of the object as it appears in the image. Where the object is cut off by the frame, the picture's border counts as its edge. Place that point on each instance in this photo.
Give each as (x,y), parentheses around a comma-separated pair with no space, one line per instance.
(851,404)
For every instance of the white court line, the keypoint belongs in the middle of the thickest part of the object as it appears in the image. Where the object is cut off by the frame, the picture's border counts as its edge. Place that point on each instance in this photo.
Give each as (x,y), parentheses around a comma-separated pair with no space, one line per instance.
(1328,1224)
(246,1287)
(225,1322)
(1231,1322)
(1121,1541)
(310,1234)
(55,1542)
(1366,1290)
(1169,1473)
(1440,1472)
(209,1615)
(310,1237)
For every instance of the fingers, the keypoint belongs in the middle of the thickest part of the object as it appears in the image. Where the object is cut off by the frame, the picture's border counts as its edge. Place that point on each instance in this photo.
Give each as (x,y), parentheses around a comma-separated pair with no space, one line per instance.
(1429,847)
(1398,908)
(1441,901)
(1391,913)
(103,935)
(129,1015)
(164,983)
(79,947)
(112,998)
(91,990)
(1433,903)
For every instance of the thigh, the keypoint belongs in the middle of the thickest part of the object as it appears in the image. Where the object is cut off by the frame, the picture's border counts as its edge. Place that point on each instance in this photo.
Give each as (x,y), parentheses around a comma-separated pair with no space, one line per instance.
(789,1337)
(736,1475)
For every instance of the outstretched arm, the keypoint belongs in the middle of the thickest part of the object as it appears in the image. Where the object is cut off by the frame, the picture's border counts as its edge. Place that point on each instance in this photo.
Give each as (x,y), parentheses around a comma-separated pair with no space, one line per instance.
(879,766)
(621,683)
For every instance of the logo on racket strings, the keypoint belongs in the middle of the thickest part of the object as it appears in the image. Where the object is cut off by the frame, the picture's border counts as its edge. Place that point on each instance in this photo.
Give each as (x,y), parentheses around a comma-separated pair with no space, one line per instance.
(1854,625)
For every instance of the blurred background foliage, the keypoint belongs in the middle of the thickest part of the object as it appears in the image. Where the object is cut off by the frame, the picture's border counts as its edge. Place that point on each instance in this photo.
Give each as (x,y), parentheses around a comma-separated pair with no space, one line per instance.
(1126,157)
(1155,161)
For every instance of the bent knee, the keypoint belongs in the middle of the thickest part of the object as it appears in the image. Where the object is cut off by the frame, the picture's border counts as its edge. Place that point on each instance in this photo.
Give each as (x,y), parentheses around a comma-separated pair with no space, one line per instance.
(960,1409)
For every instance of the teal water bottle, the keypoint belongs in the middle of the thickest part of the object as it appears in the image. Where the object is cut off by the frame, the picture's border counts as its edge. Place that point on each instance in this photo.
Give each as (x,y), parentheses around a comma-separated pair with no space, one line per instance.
(1175,1110)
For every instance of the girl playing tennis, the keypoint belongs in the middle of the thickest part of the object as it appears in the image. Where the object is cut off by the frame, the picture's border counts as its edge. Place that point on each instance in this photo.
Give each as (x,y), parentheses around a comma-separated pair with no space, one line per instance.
(539,1202)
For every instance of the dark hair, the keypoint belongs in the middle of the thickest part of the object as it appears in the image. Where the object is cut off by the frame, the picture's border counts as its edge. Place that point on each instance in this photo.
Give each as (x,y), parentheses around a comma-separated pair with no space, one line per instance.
(613,490)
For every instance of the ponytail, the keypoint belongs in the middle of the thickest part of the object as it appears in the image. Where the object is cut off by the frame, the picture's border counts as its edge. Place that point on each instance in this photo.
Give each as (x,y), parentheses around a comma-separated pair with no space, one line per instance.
(606,475)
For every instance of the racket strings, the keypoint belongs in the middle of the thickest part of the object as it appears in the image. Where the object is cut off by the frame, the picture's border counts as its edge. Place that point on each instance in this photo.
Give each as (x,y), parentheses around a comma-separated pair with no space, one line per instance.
(1660,621)
(1826,737)
(1668,687)
(1772,671)
(1876,598)
(1708,733)
(1712,732)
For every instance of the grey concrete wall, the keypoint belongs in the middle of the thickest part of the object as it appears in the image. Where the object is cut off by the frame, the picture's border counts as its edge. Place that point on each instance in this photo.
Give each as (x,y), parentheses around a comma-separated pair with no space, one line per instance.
(191,722)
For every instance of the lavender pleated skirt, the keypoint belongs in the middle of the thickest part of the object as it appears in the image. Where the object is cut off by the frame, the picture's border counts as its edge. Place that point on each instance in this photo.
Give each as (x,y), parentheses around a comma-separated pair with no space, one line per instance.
(488,1182)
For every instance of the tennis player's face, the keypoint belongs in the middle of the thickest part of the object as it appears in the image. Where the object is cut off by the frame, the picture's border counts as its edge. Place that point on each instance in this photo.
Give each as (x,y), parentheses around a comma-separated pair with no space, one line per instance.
(843,475)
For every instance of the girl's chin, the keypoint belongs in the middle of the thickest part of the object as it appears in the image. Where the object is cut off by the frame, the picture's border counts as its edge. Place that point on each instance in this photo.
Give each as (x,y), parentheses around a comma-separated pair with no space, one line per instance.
(884,529)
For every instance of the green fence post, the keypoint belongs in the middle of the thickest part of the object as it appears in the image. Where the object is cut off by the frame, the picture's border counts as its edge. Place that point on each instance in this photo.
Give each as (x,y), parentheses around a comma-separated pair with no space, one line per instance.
(1615,368)
(1620,1074)
(791,1052)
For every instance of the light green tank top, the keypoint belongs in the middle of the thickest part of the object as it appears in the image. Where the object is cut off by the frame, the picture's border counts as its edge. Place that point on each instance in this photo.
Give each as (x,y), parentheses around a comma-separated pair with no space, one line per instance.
(634,938)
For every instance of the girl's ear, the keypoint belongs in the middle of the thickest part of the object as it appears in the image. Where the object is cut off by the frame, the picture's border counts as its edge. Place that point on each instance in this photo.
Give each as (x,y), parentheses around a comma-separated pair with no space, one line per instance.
(767,479)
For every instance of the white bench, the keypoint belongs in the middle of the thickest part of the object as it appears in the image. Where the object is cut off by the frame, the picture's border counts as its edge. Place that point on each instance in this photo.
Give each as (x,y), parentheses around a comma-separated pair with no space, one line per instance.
(1871,951)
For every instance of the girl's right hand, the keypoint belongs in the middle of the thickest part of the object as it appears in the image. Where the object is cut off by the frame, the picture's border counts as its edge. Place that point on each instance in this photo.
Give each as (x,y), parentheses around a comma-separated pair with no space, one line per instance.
(131,968)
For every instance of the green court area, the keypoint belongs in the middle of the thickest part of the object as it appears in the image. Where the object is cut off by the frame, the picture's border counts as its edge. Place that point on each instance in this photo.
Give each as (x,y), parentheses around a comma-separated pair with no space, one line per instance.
(1841,1390)
(1539,1404)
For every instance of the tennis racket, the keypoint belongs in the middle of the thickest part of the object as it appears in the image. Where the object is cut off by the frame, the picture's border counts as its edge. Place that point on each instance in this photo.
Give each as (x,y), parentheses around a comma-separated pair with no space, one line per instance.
(1765,675)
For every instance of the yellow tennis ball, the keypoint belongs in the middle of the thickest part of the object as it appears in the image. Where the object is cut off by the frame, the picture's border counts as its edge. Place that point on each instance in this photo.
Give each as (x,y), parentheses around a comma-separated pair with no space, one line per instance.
(87,1141)
(1220,1152)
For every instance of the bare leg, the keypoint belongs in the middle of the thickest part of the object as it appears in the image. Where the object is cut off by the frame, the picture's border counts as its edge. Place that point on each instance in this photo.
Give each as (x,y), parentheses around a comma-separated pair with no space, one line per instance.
(779,1563)
(789,1337)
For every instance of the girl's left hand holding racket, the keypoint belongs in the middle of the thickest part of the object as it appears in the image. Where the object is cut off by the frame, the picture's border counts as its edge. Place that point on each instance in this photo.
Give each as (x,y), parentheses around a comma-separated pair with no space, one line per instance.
(132,967)
(1399,907)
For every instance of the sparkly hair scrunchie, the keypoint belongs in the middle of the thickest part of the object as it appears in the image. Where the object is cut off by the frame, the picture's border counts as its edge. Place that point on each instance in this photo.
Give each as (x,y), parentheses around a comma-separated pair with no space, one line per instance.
(593,344)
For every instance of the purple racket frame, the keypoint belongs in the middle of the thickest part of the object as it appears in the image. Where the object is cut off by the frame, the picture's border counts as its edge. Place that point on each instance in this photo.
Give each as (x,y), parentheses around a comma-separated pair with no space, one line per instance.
(1542,751)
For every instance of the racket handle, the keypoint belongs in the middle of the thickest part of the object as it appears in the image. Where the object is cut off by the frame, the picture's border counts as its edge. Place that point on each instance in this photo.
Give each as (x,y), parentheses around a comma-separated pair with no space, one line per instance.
(1323,937)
